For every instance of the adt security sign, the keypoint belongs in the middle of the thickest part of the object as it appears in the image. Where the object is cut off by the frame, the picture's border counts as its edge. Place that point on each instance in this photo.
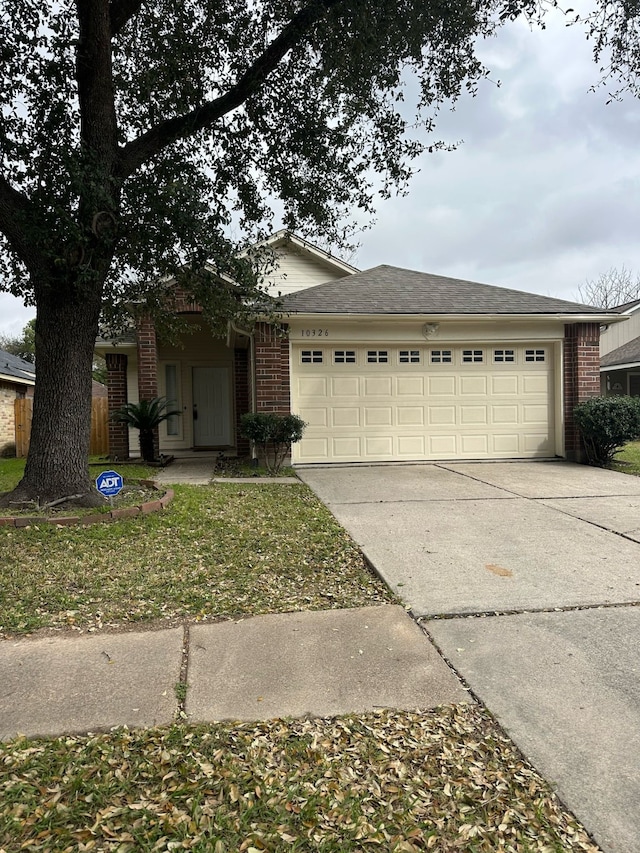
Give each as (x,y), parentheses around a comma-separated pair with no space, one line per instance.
(109,483)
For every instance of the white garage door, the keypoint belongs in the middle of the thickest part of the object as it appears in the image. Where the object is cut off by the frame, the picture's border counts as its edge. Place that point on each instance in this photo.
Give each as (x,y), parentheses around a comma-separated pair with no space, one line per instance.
(382,403)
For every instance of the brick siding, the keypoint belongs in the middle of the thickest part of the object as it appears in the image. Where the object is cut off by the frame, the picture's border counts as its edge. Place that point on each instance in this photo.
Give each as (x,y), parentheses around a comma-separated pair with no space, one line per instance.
(7,415)
(148,368)
(242,395)
(273,384)
(117,389)
(581,378)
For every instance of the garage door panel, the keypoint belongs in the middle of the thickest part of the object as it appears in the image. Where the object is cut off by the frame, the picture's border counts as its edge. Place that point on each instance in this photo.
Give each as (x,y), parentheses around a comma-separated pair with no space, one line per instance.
(473,386)
(473,415)
(536,443)
(474,445)
(345,417)
(411,446)
(535,384)
(347,447)
(442,446)
(410,415)
(378,445)
(313,450)
(345,386)
(315,417)
(379,416)
(378,411)
(505,414)
(378,386)
(441,386)
(439,415)
(506,445)
(410,386)
(534,414)
(504,385)
(311,386)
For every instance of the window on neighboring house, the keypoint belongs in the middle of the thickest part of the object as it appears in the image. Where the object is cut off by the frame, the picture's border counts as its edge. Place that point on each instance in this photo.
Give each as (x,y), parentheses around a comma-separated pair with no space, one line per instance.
(534,355)
(503,355)
(441,356)
(172,394)
(409,356)
(344,356)
(378,356)
(311,356)
(472,356)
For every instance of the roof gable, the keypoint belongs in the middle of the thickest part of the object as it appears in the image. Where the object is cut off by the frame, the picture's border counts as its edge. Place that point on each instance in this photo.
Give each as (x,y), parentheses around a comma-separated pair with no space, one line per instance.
(392,290)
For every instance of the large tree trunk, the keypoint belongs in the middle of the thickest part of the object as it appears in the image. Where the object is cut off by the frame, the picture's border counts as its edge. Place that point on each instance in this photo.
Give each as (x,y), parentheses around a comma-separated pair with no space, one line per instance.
(66,329)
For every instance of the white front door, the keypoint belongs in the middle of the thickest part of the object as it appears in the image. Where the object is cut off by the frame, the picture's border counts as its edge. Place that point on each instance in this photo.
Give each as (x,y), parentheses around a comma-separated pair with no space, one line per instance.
(211,407)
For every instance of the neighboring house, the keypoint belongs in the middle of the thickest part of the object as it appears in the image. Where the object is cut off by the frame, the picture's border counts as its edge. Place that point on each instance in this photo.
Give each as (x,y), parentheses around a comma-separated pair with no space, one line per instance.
(17,378)
(384,365)
(620,353)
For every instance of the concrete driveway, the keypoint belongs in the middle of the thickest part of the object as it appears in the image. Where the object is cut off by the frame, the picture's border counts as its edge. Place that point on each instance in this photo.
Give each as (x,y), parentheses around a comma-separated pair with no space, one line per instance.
(536,567)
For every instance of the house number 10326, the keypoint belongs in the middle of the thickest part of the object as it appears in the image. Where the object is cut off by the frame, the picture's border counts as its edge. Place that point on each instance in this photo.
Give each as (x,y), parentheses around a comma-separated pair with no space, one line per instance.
(315,333)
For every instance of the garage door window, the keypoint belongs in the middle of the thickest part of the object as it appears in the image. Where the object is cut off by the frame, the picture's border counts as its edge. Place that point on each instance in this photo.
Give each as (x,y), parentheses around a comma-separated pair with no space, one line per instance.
(344,356)
(472,356)
(409,356)
(311,356)
(534,355)
(441,356)
(378,356)
(501,356)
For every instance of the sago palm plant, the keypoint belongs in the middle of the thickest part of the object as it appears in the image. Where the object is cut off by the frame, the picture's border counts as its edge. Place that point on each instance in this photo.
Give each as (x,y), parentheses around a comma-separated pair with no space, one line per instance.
(145,416)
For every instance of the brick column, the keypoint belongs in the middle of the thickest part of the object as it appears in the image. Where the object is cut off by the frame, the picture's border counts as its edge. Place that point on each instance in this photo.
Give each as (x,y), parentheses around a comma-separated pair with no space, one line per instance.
(272,370)
(242,406)
(581,360)
(117,390)
(148,367)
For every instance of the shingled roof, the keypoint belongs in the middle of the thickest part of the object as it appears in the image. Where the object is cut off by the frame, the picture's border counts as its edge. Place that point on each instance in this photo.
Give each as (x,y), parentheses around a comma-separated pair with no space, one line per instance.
(392,290)
(17,368)
(628,353)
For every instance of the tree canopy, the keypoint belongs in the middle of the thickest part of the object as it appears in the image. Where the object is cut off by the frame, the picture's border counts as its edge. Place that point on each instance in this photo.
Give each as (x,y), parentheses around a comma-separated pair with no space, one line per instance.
(138,139)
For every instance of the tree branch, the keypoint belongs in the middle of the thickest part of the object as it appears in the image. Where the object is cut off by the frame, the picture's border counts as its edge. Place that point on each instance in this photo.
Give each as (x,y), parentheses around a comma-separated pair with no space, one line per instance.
(151,143)
(95,79)
(121,12)
(16,212)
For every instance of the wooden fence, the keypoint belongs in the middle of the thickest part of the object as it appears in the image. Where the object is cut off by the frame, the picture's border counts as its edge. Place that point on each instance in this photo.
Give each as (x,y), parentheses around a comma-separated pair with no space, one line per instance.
(99,426)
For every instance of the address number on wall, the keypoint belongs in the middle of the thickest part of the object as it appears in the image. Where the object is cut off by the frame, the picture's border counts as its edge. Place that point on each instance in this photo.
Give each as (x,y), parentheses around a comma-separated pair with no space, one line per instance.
(315,333)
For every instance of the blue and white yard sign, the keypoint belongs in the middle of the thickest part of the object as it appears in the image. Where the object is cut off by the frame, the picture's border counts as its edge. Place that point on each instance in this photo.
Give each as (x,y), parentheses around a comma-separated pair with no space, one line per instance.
(109,483)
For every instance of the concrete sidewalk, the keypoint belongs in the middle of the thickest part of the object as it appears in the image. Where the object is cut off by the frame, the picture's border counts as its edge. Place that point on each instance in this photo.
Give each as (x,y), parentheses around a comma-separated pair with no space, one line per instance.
(320,663)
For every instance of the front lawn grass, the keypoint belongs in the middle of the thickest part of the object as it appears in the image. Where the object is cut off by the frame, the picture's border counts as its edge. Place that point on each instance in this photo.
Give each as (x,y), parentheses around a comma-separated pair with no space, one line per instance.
(402,782)
(219,551)
(627,460)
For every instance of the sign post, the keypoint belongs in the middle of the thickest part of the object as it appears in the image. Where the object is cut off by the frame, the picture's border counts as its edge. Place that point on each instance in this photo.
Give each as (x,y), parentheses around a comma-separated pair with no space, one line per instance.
(109,484)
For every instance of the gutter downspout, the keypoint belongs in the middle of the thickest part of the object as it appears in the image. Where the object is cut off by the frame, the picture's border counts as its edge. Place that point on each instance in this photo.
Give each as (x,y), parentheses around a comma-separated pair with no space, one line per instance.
(252,375)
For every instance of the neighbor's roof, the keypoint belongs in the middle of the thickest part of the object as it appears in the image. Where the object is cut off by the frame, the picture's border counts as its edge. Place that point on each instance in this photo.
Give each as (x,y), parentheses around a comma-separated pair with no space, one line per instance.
(628,307)
(391,290)
(626,355)
(16,369)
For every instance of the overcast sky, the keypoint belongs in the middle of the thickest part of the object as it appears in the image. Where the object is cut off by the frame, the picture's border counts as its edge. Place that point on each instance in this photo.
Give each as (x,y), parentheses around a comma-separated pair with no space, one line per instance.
(543,194)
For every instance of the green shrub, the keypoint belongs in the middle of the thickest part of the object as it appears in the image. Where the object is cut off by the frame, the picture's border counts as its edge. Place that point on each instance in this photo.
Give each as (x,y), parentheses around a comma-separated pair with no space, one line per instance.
(273,435)
(606,424)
